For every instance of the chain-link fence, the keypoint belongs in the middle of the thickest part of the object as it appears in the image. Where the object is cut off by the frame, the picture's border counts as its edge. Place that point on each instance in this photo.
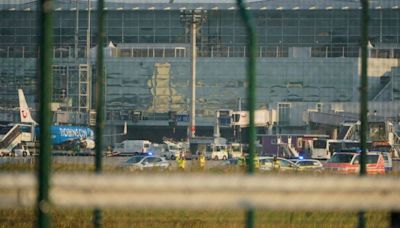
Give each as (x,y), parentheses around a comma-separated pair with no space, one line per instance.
(268,192)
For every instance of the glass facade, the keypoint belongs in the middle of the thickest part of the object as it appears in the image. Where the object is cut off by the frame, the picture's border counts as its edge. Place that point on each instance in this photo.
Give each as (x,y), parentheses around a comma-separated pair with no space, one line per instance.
(304,55)
(330,33)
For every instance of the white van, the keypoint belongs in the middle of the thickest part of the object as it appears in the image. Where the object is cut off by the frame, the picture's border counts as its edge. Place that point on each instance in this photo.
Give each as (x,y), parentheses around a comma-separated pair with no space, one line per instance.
(132,147)
(320,148)
(235,150)
(217,152)
(170,151)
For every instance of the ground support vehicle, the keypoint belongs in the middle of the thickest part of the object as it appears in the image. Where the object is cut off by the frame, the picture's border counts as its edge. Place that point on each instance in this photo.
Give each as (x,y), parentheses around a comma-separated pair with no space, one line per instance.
(216,152)
(311,165)
(349,163)
(21,151)
(140,162)
(131,147)
(285,165)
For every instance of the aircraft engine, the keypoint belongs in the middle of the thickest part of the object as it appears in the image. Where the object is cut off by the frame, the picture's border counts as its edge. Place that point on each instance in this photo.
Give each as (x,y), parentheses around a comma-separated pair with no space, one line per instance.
(89,143)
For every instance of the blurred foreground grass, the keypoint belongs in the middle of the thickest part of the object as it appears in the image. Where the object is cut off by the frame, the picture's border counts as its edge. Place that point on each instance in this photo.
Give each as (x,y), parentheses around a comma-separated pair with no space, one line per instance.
(192,218)
(178,218)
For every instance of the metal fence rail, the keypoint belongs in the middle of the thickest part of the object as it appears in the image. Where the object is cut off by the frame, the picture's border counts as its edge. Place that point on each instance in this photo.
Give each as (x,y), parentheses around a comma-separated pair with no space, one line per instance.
(206,191)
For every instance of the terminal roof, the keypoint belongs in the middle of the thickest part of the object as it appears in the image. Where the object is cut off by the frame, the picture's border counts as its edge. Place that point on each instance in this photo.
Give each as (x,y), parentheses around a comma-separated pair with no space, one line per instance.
(203,4)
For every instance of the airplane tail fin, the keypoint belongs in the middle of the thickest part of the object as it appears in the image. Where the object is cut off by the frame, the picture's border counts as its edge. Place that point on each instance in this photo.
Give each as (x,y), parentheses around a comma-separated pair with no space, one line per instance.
(24,112)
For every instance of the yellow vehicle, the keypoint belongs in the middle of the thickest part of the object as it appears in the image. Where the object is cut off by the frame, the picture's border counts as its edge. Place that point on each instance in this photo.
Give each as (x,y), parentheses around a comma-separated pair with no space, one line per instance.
(285,165)
(309,165)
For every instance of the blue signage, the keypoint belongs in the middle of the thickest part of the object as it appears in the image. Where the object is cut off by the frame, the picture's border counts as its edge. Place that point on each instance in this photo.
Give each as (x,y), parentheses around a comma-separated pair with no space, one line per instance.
(182,118)
(225,121)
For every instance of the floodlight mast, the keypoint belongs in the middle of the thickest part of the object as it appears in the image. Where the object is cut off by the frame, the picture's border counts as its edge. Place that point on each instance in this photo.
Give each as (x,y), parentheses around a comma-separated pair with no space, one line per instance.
(193,19)
(88,62)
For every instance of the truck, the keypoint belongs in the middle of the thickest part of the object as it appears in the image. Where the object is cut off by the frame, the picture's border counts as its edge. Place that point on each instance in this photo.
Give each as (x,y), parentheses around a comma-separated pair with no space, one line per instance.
(132,147)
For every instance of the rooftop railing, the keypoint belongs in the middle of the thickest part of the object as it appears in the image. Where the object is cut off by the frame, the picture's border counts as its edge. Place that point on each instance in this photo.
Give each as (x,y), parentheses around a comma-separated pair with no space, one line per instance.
(211,51)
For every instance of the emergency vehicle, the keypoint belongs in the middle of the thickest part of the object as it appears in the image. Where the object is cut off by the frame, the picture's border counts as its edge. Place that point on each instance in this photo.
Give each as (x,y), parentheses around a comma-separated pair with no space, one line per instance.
(349,163)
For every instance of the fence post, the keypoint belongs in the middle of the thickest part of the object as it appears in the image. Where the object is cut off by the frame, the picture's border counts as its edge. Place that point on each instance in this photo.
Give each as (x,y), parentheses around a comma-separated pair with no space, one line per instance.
(363,99)
(99,101)
(45,90)
(251,74)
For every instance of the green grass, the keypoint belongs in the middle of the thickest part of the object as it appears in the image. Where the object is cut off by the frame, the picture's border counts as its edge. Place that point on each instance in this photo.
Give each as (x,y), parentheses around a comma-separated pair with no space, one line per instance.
(192,218)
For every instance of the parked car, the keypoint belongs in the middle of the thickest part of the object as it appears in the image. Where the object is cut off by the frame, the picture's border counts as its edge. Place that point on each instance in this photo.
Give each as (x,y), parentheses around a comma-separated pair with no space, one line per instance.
(349,163)
(309,165)
(140,162)
(266,164)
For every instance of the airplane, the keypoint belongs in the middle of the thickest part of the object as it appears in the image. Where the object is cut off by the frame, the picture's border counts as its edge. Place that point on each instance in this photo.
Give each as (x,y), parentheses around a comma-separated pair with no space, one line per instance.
(62,136)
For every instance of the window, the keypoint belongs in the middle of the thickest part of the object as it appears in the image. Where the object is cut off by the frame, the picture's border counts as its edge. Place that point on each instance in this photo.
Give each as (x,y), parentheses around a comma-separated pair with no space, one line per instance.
(285,163)
(155,160)
(372,159)
(283,113)
(319,107)
(341,158)
(319,144)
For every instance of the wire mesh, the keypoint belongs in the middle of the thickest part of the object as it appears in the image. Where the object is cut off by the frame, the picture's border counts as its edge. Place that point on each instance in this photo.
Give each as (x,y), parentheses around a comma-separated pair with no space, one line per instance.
(223,38)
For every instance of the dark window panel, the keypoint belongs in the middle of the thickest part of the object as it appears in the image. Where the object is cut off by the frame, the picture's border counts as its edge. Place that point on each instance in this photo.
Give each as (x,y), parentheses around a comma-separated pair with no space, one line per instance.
(131,31)
(162,39)
(146,39)
(131,39)
(115,39)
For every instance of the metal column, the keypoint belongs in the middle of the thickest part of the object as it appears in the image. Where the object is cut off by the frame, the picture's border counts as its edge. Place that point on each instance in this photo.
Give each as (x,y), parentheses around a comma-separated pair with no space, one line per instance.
(83,91)
(45,88)
(251,91)
(363,98)
(193,82)
(97,215)
(88,61)
(193,18)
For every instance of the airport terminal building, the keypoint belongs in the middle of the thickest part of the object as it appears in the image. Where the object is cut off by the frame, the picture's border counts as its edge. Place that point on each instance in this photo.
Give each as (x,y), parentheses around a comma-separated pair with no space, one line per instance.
(308,59)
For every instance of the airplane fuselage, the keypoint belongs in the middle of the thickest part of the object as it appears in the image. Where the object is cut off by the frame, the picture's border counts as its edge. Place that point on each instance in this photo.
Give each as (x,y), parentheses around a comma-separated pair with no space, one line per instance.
(61,134)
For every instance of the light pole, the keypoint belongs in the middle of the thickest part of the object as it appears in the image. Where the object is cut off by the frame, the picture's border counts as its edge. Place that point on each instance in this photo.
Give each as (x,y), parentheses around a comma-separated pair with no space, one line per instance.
(193,18)
(88,63)
(76,31)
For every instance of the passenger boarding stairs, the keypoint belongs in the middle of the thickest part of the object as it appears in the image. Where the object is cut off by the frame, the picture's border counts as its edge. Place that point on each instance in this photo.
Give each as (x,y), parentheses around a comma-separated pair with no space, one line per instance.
(349,131)
(286,150)
(390,86)
(396,144)
(10,139)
